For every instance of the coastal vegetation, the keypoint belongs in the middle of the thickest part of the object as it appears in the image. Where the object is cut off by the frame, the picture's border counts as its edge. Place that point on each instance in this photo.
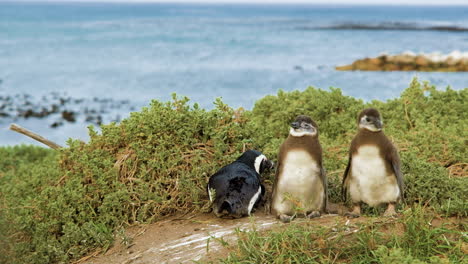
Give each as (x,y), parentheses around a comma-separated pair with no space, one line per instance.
(57,206)
(408,61)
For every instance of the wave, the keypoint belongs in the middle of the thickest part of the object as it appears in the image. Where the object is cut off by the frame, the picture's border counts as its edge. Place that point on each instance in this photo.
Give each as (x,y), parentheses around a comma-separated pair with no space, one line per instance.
(388,26)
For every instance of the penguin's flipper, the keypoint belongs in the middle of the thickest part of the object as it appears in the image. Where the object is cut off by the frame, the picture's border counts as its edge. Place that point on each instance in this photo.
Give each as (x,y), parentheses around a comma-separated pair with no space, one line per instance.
(323,178)
(261,200)
(396,166)
(273,191)
(345,177)
(210,195)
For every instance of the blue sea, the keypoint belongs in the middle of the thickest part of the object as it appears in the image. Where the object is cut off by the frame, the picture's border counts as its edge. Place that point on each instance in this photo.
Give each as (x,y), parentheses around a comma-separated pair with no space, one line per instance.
(133,53)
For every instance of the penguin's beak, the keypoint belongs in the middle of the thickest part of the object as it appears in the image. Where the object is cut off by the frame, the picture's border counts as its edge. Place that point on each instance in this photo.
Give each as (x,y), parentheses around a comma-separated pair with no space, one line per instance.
(375,121)
(267,165)
(271,164)
(295,125)
(378,124)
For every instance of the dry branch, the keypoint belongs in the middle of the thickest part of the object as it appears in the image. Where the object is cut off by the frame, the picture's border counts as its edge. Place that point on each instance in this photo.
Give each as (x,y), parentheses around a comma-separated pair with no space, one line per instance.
(34,136)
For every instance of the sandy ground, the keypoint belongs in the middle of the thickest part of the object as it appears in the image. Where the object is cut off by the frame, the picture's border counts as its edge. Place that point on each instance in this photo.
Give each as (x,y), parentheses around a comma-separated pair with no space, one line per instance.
(180,239)
(189,238)
(198,238)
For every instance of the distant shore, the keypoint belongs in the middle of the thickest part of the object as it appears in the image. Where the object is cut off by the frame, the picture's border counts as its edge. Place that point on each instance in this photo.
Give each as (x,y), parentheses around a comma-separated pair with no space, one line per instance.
(456,61)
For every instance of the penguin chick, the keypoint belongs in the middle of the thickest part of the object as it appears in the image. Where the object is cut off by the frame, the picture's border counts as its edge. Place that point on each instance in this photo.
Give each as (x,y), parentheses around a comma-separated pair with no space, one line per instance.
(300,185)
(373,174)
(236,189)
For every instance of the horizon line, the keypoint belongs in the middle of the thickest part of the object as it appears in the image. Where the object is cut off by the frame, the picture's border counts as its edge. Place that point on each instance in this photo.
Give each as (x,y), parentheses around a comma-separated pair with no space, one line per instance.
(242,2)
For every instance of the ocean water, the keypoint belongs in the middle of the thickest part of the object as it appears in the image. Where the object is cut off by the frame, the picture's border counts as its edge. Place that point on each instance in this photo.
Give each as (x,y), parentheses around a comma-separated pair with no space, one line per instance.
(139,52)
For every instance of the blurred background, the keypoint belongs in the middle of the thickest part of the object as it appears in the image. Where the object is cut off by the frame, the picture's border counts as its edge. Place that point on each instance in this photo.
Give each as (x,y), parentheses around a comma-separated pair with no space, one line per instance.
(67,64)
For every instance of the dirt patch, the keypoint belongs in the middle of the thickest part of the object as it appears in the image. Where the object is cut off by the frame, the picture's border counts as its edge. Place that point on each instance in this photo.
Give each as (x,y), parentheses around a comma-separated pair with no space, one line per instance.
(180,239)
(188,238)
(184,239)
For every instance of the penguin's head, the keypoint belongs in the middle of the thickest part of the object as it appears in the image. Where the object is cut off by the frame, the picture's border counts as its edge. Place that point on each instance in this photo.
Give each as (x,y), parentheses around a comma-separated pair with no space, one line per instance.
(228,209)
(256,160)
(303,126)
(370,119)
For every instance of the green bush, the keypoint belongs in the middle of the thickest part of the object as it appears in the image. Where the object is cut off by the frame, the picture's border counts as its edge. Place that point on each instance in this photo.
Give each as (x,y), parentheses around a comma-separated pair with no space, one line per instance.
(25,172)
(153,164)
(425,124)
(56,207)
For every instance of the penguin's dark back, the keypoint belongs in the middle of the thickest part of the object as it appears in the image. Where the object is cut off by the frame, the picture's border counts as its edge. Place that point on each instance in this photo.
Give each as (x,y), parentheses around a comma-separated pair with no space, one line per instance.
(234,177)
(235,185)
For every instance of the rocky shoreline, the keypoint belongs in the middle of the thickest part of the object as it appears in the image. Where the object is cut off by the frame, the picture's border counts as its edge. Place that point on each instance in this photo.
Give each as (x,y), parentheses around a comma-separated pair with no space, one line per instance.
(455,61)
(58,109)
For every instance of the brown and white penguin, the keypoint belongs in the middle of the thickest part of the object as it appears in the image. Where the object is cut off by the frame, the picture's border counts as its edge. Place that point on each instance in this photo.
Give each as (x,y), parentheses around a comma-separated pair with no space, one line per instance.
(373,174)
(300,180)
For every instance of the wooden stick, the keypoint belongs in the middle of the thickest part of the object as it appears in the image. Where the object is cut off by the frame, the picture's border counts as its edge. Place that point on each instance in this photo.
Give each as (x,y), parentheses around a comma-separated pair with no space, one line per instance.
(35,136)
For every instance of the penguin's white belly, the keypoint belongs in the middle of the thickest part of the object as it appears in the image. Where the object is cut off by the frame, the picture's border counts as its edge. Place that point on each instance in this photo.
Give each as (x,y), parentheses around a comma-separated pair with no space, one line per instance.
(369,181)
(299,181)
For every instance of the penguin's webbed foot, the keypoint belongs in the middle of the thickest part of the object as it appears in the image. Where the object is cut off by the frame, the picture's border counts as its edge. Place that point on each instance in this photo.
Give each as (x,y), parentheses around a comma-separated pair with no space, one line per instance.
(286,218)
(390,212)
(356,211)
(266,208)
(313,214)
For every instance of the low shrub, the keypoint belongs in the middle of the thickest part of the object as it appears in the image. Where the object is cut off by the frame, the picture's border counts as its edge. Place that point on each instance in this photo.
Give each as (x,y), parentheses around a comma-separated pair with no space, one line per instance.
(56,207)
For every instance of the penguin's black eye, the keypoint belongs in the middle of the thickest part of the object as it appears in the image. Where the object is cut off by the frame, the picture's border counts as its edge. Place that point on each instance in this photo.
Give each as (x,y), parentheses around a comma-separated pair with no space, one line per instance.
(367,119)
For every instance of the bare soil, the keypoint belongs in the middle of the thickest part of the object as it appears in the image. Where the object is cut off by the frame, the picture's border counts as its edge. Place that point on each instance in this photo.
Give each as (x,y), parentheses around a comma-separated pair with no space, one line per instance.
(190,238)
(200,237)
(179,239)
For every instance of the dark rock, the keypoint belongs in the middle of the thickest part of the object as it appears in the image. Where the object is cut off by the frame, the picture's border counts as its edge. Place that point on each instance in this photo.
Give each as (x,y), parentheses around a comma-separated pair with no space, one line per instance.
(95,110)
(55,109)
(28,113)
(44,112)
(298,68)
(99,120)
(56,124)
(69,116)
(64,101)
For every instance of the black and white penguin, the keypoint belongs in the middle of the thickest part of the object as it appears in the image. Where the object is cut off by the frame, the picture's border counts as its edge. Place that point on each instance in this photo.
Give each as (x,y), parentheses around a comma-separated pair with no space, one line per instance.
(236,188)
(300,177)
(373,174)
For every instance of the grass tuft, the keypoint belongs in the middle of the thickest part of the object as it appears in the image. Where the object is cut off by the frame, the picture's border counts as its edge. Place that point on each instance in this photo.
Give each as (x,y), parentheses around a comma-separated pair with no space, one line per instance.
(414,238)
